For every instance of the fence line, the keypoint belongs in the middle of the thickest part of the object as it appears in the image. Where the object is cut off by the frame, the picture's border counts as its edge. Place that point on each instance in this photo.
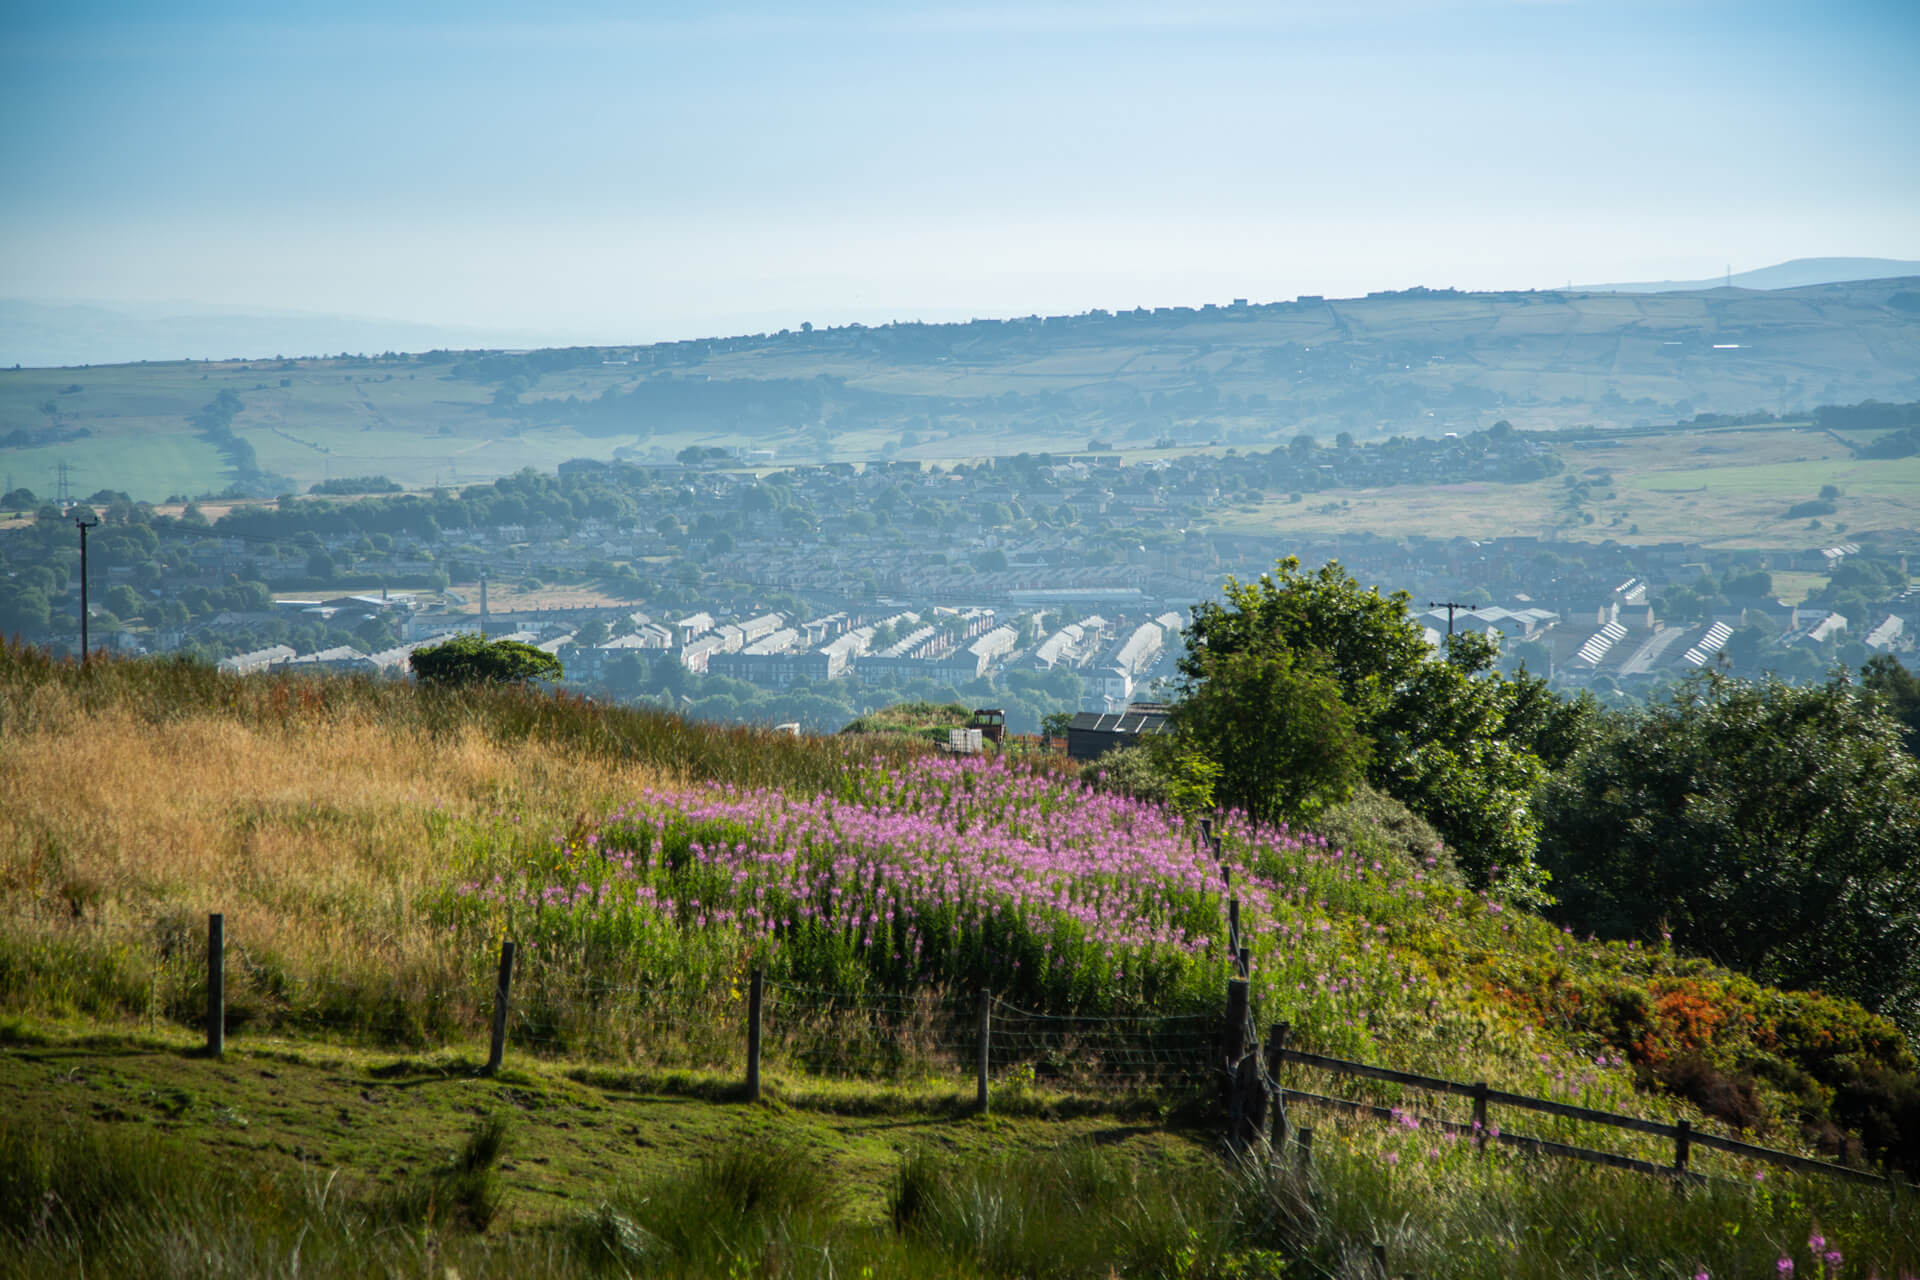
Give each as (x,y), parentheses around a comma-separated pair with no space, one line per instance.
(827,1032)
(1542,1146)
(851,1034)
(1250,1089)
(1681,1134)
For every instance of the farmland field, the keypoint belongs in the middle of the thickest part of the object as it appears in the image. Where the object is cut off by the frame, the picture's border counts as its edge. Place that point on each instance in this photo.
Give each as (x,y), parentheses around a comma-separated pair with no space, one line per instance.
(1727,487)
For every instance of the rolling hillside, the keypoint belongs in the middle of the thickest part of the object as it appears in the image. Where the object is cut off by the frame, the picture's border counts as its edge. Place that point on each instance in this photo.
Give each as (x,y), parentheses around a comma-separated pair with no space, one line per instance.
(1414,362)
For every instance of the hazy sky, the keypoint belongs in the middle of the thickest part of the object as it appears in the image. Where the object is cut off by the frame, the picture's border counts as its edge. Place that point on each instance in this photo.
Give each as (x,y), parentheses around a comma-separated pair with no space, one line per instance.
(628,172)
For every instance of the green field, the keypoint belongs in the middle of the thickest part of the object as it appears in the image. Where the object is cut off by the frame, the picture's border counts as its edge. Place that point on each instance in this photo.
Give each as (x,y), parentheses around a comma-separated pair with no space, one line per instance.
(1724,487)
(418,428)
(147,466)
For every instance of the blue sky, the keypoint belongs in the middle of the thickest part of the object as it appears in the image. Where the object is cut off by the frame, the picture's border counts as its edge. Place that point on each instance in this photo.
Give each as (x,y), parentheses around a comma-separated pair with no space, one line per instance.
(632,172)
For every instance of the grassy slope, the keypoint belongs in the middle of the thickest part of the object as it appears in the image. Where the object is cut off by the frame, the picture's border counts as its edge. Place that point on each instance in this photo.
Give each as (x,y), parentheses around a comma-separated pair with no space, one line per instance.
(317,816)
(281,1103)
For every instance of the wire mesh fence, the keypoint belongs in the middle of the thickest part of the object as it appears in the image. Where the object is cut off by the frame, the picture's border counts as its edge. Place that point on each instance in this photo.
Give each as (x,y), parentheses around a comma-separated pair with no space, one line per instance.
(565,1006)
(868,1035)
(1089,1052)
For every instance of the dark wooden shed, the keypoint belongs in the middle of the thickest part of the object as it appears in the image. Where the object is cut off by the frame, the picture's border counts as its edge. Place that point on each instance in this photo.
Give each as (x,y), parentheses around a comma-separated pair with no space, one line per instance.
(1091,734)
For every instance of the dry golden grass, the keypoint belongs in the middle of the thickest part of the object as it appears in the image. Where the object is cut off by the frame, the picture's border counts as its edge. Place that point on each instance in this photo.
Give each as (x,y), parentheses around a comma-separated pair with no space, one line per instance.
(331,822)
(317,839)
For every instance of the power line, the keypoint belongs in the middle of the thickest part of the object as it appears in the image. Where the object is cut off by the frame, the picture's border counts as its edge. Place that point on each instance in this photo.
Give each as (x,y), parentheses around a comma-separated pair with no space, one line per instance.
(1450,606)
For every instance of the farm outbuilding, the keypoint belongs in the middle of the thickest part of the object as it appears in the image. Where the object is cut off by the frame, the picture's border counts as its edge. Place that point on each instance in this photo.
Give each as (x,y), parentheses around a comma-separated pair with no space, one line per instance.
(1091,734)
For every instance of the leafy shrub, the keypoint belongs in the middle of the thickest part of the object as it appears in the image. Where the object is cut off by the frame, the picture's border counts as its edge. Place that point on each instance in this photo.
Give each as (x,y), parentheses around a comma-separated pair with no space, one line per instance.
(1811,507)
(473,659)
(1375,825)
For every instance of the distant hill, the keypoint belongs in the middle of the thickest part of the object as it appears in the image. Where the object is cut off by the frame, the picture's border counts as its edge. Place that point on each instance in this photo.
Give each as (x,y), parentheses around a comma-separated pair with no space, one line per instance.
(52,334)
(1797,274)
(1418,362)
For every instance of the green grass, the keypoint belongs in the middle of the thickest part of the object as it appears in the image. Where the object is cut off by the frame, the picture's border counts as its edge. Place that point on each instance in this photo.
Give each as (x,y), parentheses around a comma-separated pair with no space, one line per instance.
(132,1156)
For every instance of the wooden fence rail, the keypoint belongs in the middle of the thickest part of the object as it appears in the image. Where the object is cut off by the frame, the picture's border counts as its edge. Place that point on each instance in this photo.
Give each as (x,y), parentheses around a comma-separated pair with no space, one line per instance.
(1541,1145)
(1682,1135)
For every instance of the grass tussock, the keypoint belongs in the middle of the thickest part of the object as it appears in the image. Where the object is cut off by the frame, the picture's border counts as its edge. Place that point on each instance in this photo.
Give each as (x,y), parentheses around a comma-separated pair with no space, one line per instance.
(93,1200)
(89,1201)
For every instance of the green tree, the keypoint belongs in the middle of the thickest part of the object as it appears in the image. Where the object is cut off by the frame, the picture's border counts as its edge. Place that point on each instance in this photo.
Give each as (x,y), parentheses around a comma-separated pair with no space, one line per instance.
(1282,740)
(124,601)
(473,659)
(1774,827)
(23,610)
(376,635)
(1899,691)
(1164,768)
(1369,642)
(1449,747)
(1447,740)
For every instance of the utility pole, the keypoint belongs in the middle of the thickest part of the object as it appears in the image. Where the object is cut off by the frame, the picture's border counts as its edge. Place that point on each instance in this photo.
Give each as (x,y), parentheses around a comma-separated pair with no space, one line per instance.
(83,526)
(1450,606)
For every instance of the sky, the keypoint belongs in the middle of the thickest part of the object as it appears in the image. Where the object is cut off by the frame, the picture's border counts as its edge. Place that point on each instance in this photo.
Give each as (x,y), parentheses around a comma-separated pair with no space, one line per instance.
(632,172)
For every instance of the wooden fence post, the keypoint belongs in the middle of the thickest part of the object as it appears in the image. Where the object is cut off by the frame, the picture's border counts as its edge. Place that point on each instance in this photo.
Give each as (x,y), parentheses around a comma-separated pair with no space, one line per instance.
(1277,1037)
(1480,1114)
(216,984)
(1234,1053)
(755,990)
(1380,1259)
(1682,1145)
(1306,1149)
(1233,927)
(502,993)
(986,1034)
